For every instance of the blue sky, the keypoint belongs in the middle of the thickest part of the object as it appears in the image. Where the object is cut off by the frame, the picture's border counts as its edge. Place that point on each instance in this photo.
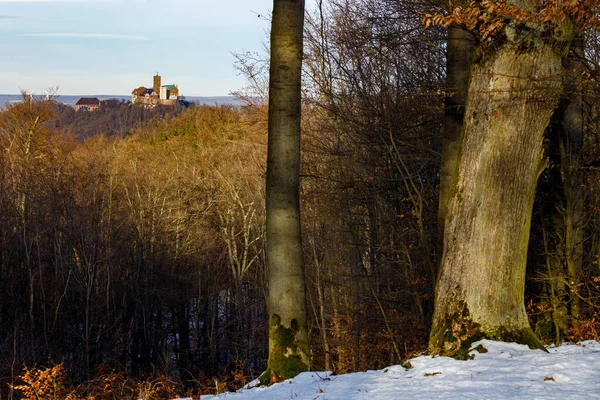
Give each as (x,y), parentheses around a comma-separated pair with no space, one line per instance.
(113,46)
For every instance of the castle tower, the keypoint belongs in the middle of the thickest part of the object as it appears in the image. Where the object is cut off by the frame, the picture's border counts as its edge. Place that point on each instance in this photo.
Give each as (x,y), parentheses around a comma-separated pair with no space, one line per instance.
(157,84)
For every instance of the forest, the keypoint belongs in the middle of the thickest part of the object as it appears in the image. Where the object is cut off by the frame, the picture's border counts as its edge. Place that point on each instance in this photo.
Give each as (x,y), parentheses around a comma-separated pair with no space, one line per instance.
(449,190)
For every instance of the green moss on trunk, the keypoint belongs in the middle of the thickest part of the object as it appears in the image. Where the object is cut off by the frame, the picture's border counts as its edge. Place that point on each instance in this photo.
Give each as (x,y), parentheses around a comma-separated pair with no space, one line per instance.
(288,355)
(454,335)
(458,332)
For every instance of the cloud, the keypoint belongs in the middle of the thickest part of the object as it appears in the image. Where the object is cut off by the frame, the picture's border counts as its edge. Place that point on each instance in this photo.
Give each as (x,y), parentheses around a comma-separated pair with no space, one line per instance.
(7,16)
(86,36)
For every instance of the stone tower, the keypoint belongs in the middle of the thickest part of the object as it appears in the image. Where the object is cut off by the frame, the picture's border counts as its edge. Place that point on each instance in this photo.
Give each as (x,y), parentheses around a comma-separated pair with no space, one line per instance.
(157,83)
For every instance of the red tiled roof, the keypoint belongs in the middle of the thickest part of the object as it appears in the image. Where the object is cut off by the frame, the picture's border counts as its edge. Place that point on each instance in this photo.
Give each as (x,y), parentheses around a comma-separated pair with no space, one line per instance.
(88,101)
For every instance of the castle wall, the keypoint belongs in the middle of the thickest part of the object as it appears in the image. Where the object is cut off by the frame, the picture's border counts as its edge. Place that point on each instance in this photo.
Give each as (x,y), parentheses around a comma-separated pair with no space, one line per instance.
(163,93)
(86,107)
(155,101)
(169,102)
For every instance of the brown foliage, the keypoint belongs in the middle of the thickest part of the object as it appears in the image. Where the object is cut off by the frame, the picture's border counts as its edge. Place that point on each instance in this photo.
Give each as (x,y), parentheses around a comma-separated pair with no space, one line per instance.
(589,329)
(141,91)
(51,384)
(232,379)
(486,19)
(44,384)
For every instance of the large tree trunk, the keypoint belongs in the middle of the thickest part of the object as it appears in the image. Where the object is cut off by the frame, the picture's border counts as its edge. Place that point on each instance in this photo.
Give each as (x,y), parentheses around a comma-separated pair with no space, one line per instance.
(288,332)
(513,91)
(459,48)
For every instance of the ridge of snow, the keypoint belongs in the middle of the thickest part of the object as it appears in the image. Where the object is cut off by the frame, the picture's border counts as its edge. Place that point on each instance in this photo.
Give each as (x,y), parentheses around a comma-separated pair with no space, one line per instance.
(506,371)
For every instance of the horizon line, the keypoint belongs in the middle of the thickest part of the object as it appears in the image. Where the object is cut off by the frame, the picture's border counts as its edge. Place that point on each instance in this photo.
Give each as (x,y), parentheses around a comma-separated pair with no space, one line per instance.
(118,95)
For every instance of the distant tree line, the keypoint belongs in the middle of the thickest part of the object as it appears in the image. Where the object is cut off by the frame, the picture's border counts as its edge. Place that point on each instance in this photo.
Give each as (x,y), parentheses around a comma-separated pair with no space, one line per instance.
(114,117)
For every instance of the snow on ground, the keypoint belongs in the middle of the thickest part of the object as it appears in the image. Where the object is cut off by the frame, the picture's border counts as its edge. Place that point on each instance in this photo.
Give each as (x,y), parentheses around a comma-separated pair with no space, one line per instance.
(506,371)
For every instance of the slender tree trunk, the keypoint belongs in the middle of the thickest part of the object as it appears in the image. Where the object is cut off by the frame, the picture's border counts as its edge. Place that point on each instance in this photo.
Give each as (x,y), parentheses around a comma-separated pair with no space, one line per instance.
(183,328)
(340,362)
(513,92)
(459,48)
(566,136)
(322,320)
(288,331)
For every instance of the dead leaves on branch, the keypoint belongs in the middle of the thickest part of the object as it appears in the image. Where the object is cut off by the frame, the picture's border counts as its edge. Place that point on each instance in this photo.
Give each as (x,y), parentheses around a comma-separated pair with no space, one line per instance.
(487,19)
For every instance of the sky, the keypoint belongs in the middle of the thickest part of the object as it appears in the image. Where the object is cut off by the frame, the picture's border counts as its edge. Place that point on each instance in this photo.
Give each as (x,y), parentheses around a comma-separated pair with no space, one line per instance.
(110,47)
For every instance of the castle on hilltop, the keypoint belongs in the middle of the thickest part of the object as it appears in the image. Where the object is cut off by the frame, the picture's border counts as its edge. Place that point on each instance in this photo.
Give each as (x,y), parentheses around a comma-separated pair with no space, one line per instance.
(167,95)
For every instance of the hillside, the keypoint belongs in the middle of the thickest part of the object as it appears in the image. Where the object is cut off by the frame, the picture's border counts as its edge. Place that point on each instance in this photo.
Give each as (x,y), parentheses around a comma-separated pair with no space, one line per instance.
(501,371)
(113,118)
(131,238)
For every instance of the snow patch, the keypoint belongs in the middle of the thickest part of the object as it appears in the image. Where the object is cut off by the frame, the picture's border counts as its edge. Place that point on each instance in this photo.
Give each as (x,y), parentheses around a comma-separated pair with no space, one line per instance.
(505,371)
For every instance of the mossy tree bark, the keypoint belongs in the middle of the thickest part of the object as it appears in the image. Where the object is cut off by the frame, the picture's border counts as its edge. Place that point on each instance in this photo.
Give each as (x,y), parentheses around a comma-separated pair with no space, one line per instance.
(515,87)
(459,53)
(288,332)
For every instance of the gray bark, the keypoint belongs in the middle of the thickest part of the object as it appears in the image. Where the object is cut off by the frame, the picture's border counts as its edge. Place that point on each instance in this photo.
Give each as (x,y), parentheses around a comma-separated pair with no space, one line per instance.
(515,87)
(288,335)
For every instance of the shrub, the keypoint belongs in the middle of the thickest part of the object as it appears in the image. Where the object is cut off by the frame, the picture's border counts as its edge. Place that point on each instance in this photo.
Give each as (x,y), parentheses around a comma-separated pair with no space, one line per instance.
(45,384)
